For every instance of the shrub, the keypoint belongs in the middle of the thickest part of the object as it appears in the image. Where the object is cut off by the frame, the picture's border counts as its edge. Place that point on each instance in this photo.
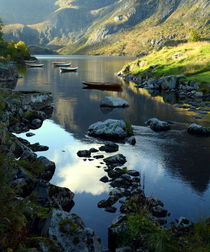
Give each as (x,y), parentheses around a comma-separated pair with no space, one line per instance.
(194,36)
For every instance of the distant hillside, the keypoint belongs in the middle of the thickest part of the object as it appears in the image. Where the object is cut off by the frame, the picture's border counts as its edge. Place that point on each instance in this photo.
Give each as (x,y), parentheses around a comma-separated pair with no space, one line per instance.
(111,27)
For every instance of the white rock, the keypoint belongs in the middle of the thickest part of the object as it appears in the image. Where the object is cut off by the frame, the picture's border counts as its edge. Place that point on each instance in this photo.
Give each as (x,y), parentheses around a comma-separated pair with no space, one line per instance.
(109,129)
(110,101)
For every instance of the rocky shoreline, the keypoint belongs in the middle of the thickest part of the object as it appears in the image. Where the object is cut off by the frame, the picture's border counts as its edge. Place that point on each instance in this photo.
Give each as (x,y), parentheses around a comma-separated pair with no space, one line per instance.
(174,89)
(45,208)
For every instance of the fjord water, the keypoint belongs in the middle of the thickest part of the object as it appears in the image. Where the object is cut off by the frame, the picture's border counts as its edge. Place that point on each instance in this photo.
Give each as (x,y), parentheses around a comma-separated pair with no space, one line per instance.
(174,166)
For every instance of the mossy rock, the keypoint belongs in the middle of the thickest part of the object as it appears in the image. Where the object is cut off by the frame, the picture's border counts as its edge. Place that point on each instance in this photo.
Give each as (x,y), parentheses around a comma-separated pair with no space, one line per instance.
(68,226)
(29,115)
(43,244)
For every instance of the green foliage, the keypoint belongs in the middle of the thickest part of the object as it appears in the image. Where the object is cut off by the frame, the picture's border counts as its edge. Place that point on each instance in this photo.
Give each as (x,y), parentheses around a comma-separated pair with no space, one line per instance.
(142,230)
(194,36)
(190,59)
(12,50)
(129,128)
(12,220)
(68,226)
(1,26)
(199,237)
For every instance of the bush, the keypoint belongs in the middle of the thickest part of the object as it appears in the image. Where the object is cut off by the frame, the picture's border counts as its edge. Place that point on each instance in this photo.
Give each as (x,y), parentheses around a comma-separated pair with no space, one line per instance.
(194,36)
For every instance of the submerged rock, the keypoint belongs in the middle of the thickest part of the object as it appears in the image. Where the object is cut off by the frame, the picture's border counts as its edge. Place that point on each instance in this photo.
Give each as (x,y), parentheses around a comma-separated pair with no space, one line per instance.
(157,125)
(109,129)
(110,101)
(195,129)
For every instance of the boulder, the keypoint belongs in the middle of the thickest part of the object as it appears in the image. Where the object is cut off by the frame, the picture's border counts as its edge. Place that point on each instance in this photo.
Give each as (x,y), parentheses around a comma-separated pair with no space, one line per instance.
(61,197)
(104,179)
(48,195)
(168,82)
(116,160)
(159,211)
(109,147)
(111,209)
(109,129)
(30,134)
(131,140)
(36,123)
(8,73)
(69,231)
(133,173)
(48,168)
(110,101)
(93,150)
(198,130)
(98,156)
(157,125)
(83,153)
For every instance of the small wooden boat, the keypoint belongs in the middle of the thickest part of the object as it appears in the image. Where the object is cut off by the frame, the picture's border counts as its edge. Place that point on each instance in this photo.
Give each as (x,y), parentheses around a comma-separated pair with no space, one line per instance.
(58,62)
(29,61)
(68,69)
(62,64)
(34,65)
(102,85)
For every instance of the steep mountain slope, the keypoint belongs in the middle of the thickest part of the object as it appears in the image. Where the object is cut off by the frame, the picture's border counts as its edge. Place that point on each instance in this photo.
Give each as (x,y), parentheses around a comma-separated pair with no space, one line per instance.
(115,26)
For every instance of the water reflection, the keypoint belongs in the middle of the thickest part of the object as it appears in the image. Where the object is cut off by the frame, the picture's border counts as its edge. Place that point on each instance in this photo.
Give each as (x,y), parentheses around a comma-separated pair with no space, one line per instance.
(174,165)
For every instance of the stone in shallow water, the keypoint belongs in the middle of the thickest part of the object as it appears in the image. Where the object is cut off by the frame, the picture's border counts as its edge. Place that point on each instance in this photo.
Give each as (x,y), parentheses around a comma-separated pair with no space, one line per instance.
(157,125)
(104,179)
(111,209)
(110,101)
(116,160)
(109,129)
(98,156)
(83,153)
(109,147)
(93,150)
(198,130)
(30,134)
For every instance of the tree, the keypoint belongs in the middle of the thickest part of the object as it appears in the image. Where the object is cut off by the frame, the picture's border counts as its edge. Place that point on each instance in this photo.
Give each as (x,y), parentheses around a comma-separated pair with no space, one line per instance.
(1,27)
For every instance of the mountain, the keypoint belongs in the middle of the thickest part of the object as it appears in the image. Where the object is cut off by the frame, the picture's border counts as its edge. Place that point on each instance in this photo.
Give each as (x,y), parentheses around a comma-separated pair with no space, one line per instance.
(112,27)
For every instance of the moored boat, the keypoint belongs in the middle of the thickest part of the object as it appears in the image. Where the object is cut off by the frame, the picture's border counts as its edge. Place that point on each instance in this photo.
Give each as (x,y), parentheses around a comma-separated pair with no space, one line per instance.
(61,64)
(34,65)
(29,61)
(68,69)
(102,85)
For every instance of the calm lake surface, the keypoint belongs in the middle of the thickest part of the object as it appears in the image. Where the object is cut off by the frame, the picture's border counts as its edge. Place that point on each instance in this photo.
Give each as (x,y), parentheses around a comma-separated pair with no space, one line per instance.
(174,166)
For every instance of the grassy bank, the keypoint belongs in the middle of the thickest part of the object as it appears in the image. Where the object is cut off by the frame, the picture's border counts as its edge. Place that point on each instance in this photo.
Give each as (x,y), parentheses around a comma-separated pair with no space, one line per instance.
(191,59)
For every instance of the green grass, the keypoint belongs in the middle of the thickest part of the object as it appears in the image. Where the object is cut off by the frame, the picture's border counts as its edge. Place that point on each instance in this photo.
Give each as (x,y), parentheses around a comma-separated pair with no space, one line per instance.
(193,61)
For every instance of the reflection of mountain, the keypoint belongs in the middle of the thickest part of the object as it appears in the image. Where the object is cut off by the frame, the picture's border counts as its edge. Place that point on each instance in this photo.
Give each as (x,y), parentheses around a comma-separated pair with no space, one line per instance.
(76,109)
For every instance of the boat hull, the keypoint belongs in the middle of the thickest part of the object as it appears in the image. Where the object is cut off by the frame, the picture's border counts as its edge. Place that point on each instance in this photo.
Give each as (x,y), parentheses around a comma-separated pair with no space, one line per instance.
(68,69)
(34,65)
(102,85)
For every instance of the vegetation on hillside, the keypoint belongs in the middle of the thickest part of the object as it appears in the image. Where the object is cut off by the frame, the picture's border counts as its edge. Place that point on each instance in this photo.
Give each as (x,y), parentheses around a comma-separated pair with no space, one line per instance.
(12,50)
(191,59)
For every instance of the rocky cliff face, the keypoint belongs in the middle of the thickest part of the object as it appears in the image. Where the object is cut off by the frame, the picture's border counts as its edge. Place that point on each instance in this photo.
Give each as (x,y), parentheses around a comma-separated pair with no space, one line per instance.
(86,26)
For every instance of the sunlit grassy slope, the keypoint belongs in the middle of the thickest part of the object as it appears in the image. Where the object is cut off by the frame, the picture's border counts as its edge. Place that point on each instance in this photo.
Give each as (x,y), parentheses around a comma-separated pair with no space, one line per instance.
(190,59)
